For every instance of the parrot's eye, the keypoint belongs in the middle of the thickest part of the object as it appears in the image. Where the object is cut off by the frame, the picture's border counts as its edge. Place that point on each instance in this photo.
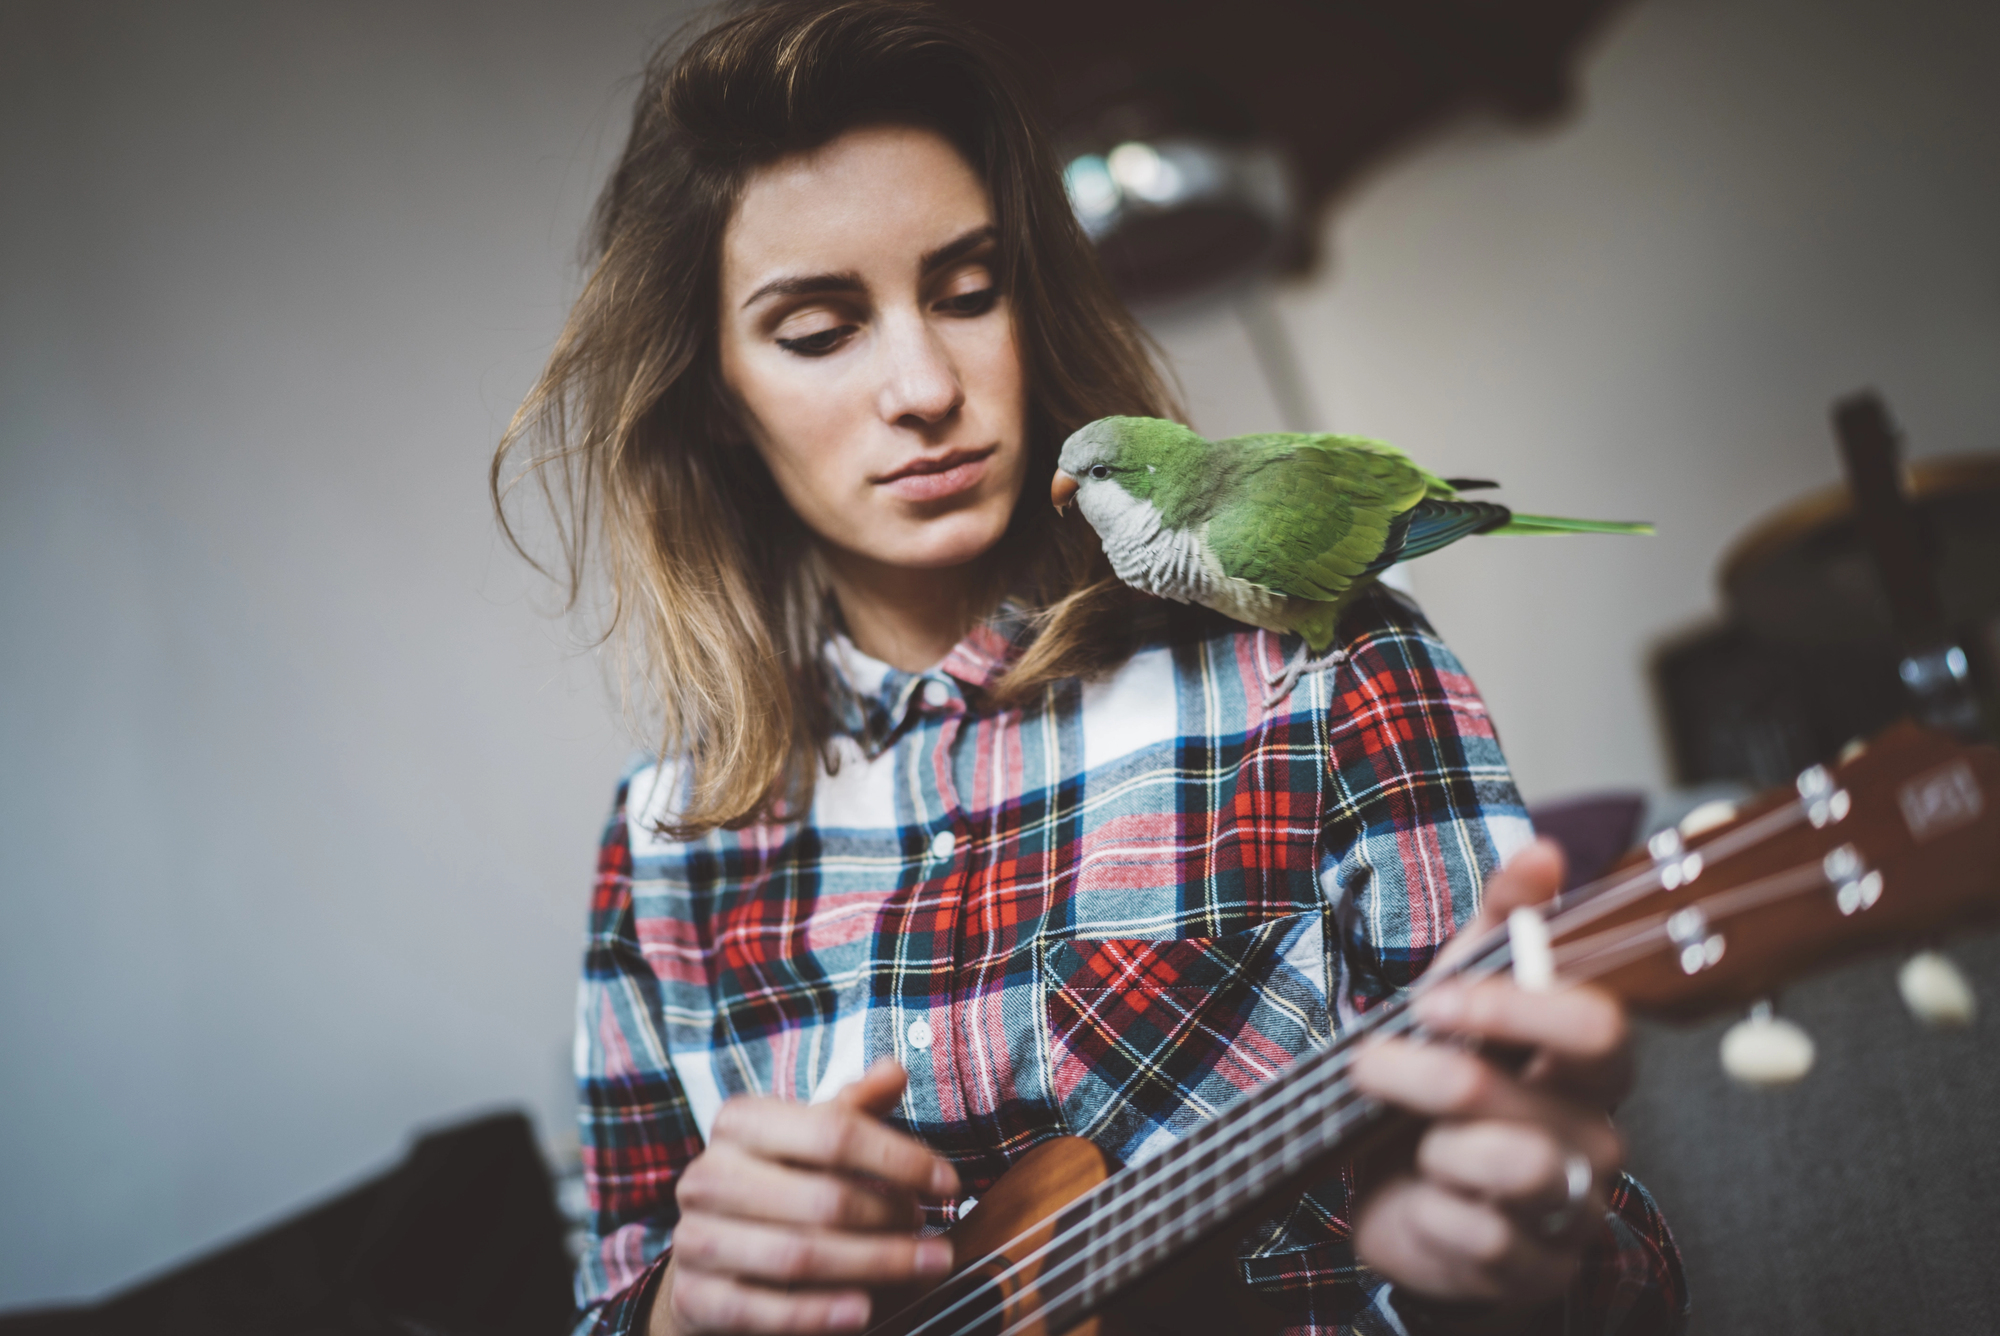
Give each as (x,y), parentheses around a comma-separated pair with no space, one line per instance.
(1100,471)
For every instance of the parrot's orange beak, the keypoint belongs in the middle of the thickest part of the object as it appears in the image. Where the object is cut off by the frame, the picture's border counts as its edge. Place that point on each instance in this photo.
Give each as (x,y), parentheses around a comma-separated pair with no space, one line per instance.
(1062,490)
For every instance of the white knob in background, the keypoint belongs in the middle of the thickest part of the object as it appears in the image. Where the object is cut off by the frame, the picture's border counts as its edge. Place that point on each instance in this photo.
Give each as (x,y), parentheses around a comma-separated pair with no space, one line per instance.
(1765,1049)
(1935,991)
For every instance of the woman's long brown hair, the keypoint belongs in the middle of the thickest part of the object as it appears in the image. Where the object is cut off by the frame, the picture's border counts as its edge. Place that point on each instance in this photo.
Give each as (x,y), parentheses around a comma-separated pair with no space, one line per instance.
(714,596)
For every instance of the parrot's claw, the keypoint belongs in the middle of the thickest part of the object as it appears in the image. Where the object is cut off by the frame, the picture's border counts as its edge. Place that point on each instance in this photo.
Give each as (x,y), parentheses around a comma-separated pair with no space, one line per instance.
(1285,679)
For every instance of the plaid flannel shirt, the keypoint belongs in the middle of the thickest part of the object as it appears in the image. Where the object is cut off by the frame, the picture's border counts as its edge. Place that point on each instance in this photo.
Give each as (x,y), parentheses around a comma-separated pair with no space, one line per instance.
(1104,915)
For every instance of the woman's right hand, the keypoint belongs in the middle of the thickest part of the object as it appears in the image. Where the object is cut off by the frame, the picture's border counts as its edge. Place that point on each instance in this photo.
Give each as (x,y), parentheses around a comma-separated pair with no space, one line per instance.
(795,1211)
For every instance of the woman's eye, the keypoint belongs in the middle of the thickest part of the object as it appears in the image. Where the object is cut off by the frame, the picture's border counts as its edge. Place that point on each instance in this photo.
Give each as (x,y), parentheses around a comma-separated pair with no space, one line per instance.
(970,303)
(819,343)
(1100,471)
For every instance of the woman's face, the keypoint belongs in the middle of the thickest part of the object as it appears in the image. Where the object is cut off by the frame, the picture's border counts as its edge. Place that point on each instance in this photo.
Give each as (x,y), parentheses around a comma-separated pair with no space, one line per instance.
(870,350)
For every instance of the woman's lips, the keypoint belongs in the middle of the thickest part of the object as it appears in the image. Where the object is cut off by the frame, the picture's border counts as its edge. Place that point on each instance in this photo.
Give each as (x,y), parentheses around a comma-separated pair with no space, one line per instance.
(934,479)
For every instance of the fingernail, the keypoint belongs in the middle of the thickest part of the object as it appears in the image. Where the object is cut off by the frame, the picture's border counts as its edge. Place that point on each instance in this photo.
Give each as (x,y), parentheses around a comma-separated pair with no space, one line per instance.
(850,1310)
(944,1180)
(933,1257)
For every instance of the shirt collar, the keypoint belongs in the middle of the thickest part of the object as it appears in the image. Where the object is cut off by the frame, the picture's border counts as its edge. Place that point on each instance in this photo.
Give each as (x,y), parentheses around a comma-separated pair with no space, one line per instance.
(874,701)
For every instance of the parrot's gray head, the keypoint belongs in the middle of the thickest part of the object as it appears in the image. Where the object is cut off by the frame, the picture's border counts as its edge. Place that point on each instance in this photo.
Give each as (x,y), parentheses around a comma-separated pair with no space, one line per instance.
(1095,445)
(1133,455)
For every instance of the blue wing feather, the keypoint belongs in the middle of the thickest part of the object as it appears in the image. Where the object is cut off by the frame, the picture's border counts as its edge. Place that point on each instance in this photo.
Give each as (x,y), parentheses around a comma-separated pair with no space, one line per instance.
(1434,523)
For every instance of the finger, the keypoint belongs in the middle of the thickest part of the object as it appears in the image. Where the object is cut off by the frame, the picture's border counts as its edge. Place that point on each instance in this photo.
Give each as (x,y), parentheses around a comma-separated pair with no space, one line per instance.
(1582,1040)
(877,1090)
(1520,1165)
(703,1302)
(727,1180)
(1445,1083)
(789,1255)
(833,1136)
(1581,1024)
(1532,876)
(1440,1244)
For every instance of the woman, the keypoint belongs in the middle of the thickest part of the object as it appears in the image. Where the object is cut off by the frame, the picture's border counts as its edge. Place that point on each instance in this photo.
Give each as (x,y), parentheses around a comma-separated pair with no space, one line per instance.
(957,846)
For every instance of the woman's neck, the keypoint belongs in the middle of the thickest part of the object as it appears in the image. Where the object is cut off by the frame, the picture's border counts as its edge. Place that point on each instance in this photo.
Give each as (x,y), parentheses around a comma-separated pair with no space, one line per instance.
(907,618)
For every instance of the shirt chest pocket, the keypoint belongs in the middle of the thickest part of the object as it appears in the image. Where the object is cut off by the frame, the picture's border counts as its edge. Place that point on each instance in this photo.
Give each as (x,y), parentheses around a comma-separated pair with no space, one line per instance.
(1148,1038)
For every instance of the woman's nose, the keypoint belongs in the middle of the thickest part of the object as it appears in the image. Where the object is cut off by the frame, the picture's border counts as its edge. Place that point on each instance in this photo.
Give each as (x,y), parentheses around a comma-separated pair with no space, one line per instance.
(921,387)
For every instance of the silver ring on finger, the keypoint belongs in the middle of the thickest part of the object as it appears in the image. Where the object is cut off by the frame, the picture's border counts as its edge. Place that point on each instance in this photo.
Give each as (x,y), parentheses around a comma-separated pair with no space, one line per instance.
(1578,1178)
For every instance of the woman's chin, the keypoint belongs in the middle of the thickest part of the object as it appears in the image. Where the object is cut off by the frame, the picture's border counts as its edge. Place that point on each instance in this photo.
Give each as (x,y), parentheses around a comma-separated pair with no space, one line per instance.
(938,542)
(939,545)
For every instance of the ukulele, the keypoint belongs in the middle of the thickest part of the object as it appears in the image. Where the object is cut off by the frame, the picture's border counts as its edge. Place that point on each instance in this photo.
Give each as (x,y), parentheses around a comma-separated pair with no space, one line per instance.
(1895,844)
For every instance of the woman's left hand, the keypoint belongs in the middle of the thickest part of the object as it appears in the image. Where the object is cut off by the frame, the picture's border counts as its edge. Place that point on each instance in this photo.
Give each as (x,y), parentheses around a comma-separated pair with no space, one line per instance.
(1489,1212)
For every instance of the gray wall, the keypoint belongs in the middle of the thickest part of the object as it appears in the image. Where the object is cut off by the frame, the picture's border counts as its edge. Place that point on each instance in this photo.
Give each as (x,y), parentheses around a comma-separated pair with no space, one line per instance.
(300,793)
(299,789)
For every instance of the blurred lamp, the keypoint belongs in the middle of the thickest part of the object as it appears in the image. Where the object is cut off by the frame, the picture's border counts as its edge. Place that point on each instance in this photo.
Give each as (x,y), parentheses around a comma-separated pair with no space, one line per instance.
(1181,216)
(1172,180)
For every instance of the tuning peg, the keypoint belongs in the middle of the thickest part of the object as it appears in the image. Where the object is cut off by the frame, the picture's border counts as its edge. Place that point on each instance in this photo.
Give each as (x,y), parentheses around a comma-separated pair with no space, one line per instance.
(1765,1049)
(1935,990)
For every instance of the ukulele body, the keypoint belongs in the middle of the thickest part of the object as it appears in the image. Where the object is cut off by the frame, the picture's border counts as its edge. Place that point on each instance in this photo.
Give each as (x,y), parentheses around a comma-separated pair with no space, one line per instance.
(1196,1294)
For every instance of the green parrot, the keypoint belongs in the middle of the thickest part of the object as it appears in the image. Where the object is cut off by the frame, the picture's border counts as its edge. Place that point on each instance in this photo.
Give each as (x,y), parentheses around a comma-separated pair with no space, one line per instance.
(1281,530)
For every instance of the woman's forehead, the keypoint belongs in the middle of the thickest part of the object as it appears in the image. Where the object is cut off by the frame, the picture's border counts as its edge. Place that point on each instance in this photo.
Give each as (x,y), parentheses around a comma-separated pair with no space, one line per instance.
(869,203)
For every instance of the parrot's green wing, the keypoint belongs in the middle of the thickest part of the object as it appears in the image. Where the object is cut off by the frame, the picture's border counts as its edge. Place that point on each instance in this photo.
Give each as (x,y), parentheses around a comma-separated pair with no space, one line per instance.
(1316,518)
(1312,517)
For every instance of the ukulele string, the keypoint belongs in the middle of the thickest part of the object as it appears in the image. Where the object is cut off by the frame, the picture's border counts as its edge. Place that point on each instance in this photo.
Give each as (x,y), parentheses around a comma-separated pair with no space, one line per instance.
(1326,1089)
(1589,903)
(1643,935)
(1592,952)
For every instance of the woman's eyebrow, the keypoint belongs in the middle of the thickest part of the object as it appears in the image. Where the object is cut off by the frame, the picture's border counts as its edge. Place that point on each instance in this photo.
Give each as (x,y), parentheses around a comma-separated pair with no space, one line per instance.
(809,286)
(955,249)
(812,285)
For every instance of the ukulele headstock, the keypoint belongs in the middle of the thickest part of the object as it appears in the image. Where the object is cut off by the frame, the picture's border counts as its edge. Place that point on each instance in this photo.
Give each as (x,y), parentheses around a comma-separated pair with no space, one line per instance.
(1890,848)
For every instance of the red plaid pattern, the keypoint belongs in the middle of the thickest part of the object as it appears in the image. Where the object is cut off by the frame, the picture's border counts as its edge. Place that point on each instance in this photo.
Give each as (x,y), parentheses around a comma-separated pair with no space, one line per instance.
(1105,914)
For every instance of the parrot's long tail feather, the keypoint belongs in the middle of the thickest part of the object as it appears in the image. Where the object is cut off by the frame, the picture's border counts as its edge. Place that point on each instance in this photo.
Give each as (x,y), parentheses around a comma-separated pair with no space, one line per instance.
(1528,524)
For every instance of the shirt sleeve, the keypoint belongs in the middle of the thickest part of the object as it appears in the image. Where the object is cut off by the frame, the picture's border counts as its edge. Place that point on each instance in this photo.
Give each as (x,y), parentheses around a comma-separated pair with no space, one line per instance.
(1422,810)
(637,1130)
(1421,807)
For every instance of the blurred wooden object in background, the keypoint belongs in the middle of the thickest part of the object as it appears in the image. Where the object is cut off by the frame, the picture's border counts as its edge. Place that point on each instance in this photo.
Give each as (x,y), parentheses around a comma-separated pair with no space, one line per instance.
(1809,652)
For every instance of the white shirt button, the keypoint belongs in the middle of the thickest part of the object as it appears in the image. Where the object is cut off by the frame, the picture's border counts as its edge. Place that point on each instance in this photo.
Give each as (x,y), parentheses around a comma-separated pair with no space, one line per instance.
(936,694)
(942,844)
(919,1034)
